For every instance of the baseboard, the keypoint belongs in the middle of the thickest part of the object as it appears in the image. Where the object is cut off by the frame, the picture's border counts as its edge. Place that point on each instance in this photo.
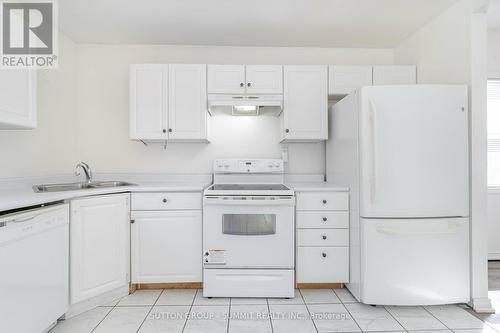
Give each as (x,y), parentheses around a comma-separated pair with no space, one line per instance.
(174,285)
(482,305)
(320,285)
(96,301)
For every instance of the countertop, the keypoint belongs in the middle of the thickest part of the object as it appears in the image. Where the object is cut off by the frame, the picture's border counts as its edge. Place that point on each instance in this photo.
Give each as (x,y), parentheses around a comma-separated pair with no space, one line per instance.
(22,195)
(317,187)
(18,193)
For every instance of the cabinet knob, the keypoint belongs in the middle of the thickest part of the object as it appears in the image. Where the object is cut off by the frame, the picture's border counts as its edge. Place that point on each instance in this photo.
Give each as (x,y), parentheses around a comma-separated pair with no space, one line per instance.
(249,84)
(287,130)
(170,130)
(324,201)
(132,221)
(323,254)
(324,237)
(164,200)
(242,84)
(164,130)
(325,219)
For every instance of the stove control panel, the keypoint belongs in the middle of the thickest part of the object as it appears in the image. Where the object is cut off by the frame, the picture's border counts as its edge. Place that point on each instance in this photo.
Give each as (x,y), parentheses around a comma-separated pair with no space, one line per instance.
(248,166)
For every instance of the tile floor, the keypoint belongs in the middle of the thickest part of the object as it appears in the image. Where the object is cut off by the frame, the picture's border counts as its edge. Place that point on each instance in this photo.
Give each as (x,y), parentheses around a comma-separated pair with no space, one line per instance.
(310,311)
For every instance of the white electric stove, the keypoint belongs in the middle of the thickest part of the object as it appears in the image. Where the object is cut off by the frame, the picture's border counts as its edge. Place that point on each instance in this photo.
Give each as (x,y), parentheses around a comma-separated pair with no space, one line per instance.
(248,230)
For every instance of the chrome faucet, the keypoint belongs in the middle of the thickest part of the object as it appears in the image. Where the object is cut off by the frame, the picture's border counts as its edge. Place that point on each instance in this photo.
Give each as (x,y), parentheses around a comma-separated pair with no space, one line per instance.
(86,169)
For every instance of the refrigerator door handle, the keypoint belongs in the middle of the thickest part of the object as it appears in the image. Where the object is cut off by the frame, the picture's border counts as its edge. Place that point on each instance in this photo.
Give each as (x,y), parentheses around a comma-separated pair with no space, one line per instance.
(373,178)
(452,229)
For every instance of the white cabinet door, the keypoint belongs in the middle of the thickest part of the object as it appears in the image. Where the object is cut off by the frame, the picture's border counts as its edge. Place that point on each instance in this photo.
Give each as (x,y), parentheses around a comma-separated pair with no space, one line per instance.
(166,246)
(343,80)
(148,102)
(264,79)
(187,100)
(388,75)
(329,264)
(99,245)
(18,99)
(226,79)
(305,112)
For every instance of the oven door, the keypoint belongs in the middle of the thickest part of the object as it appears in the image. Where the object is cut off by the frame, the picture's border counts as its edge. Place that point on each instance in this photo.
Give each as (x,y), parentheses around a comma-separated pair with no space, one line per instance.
(248,232)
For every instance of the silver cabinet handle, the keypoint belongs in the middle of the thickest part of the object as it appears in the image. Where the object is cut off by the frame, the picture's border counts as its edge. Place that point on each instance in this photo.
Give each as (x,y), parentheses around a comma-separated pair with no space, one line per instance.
(324,237)
(324,201)
(164,200)
(324,255)
(325,219)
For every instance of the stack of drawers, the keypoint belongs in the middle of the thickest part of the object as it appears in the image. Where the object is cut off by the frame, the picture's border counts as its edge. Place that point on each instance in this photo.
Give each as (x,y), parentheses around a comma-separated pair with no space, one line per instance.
(322,237)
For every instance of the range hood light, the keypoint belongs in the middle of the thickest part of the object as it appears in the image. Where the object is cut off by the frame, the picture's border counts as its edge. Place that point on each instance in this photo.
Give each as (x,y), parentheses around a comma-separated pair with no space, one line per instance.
(245,110)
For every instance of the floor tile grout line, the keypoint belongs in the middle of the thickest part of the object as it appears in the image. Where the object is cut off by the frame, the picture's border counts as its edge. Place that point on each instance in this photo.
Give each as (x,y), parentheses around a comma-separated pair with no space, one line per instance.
(451,329)
(394,317)
(189,311)
(269,313)
(107,314)
(151,309)
(352,317)
(309,312)
(229,314)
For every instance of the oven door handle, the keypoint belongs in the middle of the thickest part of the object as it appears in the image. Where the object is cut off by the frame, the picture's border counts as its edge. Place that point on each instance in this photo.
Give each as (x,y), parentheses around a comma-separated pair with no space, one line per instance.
(249,202)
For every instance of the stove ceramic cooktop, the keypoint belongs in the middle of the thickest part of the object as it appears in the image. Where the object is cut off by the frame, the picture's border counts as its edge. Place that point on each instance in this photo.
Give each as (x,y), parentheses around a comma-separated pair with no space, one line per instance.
(248,189)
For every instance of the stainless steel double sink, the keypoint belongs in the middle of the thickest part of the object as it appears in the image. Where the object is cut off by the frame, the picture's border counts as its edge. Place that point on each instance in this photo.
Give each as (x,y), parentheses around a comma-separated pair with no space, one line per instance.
(78,186)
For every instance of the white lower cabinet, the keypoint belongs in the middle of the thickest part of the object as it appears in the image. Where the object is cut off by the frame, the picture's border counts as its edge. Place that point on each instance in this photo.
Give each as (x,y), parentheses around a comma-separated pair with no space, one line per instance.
(166,245)
(99,245)
(322,237)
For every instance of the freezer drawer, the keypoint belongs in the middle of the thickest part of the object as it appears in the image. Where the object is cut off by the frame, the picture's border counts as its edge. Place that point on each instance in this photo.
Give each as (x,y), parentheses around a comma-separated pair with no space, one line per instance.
(415,261)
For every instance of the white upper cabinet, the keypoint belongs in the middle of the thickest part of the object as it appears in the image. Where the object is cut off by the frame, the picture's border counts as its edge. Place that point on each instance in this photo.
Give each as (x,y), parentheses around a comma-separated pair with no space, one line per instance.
(264,79)
(241,79)
(305,112)
(148,102)
(343,80)
(168,102)
(99,245)
(389,75)
(187,102)
(226,79)
(18,99)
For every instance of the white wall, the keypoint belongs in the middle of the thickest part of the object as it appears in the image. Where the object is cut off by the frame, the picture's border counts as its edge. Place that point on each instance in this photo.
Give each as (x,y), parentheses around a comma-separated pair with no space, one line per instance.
(103,109)
(452,49)
(50,148)
(494,53)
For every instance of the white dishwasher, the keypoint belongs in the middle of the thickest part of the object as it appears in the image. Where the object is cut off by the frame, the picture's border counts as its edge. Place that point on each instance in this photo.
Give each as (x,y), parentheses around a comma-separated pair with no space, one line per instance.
(33,268)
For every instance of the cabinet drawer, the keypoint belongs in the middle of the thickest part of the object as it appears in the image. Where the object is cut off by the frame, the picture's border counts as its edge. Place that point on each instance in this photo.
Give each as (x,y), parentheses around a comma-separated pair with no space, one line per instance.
(323,237)
(322,219)
(322,264)
(166,201)
(322,201)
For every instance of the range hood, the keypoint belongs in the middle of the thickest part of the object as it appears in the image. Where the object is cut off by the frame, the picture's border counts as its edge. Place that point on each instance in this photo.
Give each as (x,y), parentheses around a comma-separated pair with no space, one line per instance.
(246,105)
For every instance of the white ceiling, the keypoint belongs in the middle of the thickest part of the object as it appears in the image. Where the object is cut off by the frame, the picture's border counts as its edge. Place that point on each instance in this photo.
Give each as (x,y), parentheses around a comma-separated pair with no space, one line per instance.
(320,23)
(494,14)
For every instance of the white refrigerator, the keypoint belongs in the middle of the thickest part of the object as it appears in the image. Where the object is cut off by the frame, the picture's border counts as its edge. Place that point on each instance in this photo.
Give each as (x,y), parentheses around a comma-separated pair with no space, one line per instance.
(403,151)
